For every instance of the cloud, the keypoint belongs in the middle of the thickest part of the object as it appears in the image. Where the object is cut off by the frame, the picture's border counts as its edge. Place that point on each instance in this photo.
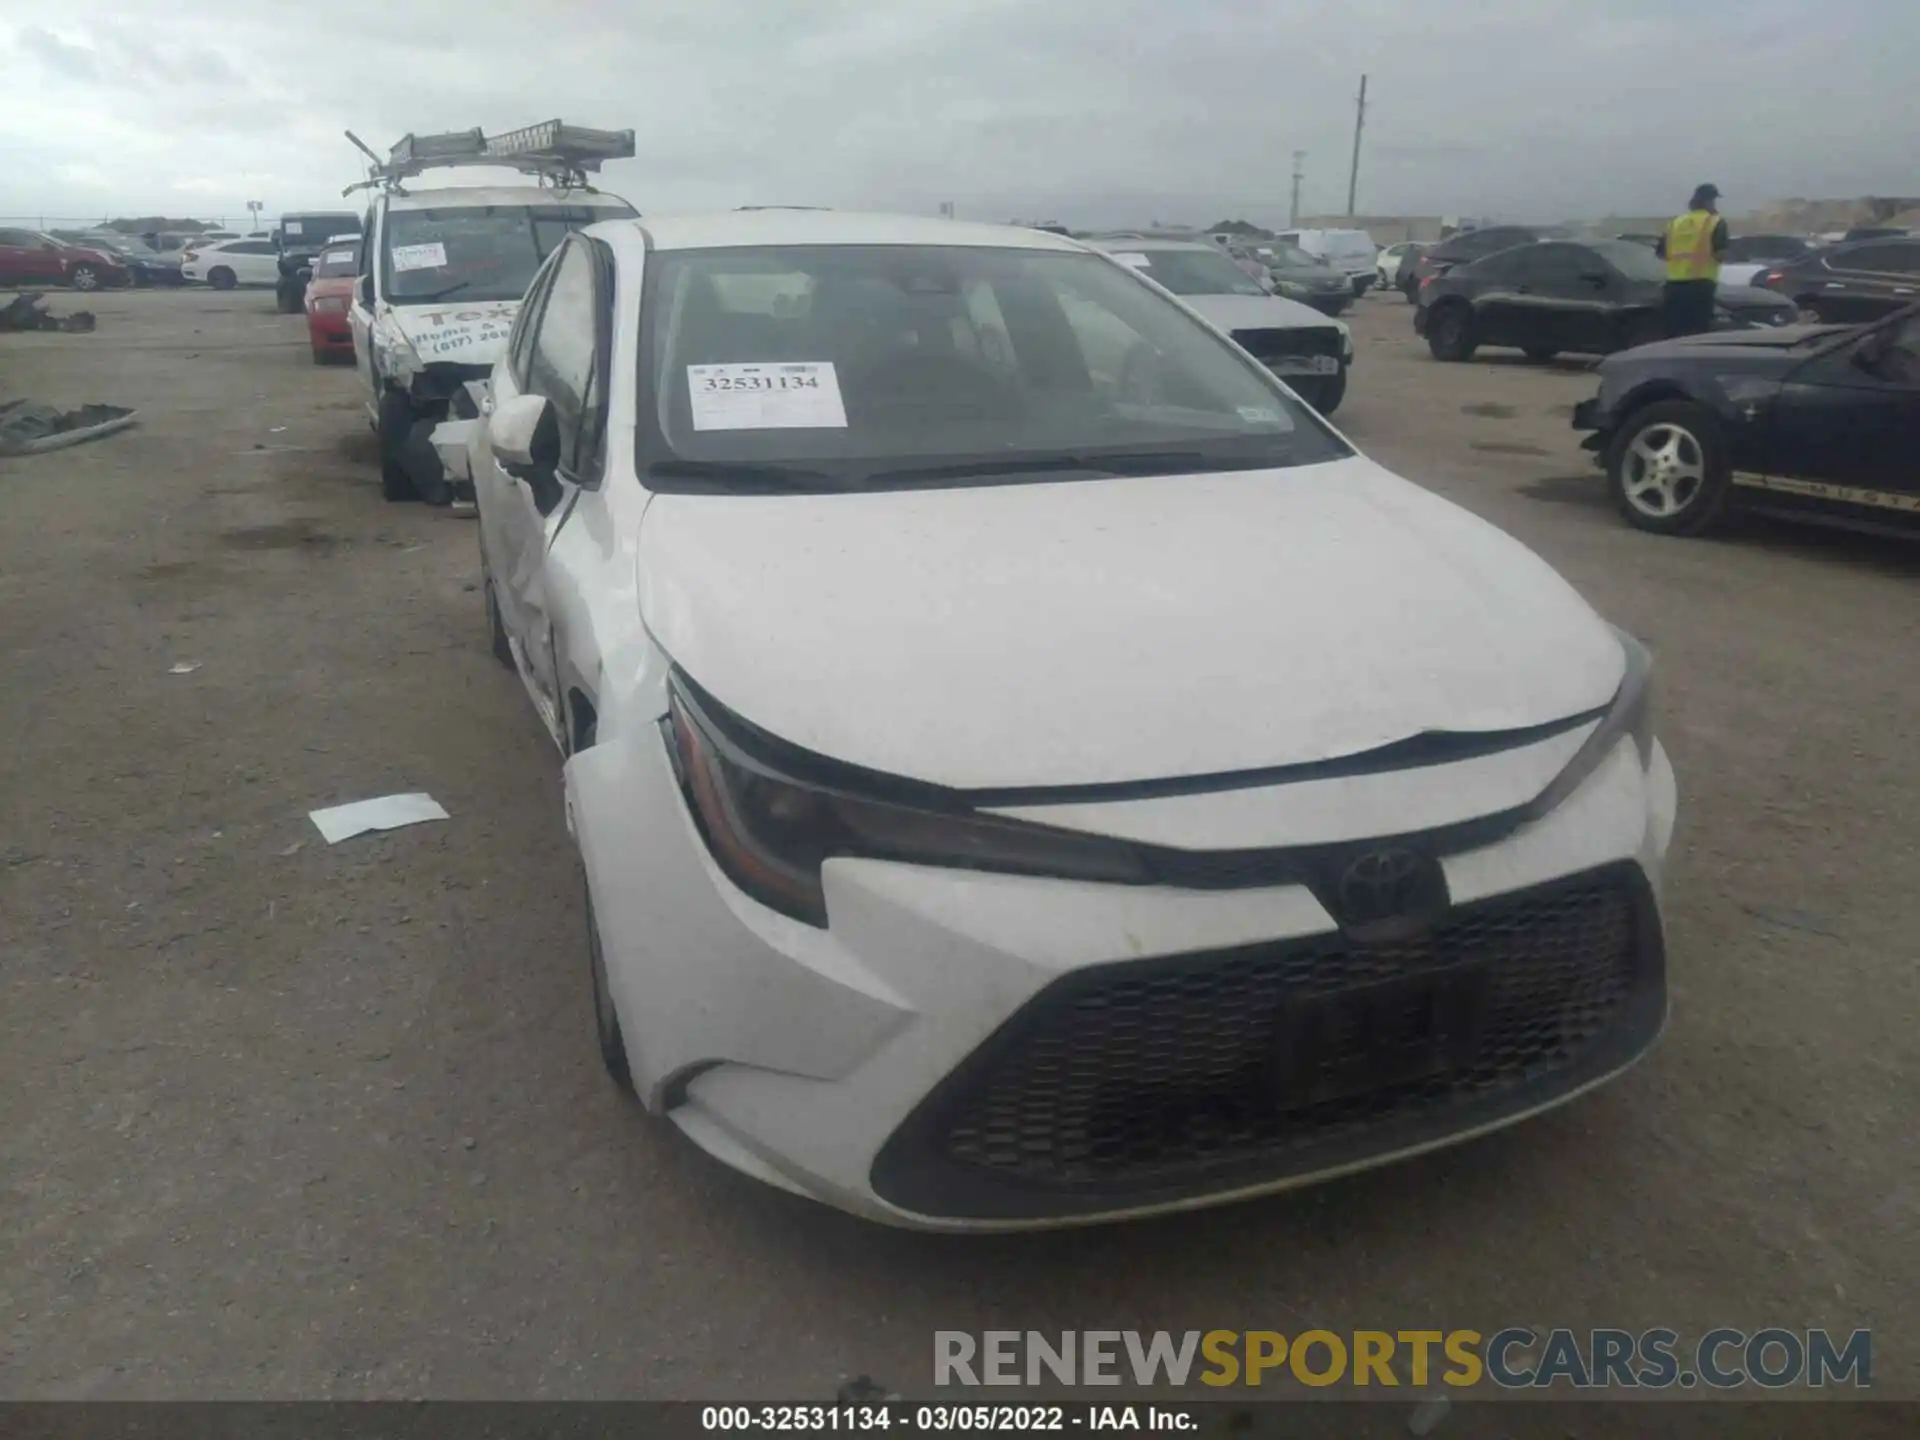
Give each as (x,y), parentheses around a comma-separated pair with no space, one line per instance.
(76,62)
(1090,111)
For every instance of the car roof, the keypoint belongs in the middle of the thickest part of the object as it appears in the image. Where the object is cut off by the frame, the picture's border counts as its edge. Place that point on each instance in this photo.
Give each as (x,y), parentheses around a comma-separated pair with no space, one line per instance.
(465,196)
(731,228)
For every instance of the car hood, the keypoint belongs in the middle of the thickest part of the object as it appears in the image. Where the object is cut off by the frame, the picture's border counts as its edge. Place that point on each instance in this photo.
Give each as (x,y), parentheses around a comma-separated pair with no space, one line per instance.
(1256,312)
(1146,628)
(1742,349)
(443,333)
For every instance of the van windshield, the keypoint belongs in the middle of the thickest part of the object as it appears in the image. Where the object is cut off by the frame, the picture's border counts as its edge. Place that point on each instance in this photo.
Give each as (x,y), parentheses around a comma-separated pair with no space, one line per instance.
(480,252)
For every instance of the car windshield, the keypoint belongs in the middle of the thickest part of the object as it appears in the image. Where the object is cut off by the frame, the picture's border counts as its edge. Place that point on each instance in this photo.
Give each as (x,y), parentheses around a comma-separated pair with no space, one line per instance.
(332,264)
(1292,257)
(480,252)
(843,367)
(1636,262)
(1192,272)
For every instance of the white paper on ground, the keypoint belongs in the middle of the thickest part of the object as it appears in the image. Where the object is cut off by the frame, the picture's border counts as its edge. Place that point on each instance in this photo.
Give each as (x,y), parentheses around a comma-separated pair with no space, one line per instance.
(431,256)
(185,667)
(780,395)
(388,812)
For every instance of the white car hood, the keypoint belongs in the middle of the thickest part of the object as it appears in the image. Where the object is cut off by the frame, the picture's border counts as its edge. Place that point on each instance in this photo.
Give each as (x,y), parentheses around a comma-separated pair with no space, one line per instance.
(473,334)
(1256,312)
(1112,630)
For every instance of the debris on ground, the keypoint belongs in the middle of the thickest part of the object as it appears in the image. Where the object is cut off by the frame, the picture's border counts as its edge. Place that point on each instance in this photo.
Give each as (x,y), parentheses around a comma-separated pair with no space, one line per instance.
(28,427)
(388,812)
(184,667)
(29,312)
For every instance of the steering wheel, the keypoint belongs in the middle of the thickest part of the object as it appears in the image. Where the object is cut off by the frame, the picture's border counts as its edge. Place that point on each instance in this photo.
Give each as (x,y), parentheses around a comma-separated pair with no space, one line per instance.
(929,379)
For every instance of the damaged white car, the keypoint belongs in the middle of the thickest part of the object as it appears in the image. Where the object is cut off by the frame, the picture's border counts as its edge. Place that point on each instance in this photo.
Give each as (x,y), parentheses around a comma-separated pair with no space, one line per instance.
(443,273)
(1024,780)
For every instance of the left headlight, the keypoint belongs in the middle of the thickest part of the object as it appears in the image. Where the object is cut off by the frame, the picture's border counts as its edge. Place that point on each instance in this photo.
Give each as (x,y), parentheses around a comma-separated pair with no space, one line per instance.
(1631,713)
(770,831)
(331,305)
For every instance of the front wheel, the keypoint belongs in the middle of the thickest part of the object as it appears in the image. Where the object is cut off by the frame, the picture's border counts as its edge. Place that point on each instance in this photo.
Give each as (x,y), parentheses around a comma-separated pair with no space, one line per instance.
(390,435)
(1668,469)
(606,1020)
(1323,392)
(221,278)
(84,277)
(1450,333)
(288,299)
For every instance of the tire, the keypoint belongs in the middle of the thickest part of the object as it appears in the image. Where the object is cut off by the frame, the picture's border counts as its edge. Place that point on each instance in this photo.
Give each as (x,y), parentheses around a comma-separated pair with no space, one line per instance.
(496,628)
(606,1020)
(321,357)
(221,278)
(390,435)
(1450,333)
(1540,357)
(1692,496)
(287,300)
(84,277)
(1323,392)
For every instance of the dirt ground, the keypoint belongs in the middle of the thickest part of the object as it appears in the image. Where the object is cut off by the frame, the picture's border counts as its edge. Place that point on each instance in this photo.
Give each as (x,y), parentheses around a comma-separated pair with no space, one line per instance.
(281,1119)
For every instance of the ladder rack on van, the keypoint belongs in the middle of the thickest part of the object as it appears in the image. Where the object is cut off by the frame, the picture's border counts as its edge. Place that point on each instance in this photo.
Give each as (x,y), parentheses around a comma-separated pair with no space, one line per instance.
(559,154)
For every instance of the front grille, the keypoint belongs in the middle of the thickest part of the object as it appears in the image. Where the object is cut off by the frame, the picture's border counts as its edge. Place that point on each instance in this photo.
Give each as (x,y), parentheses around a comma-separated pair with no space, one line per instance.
(1268,345)
(1126,1084)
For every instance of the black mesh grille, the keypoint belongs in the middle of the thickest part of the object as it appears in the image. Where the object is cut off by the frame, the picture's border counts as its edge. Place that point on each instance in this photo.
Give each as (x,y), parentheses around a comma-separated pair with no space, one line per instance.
(1266,345)
(1185,1075)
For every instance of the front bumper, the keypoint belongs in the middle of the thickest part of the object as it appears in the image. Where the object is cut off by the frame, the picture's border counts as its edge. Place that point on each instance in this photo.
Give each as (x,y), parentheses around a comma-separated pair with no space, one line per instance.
(865,1065)
(1589,415)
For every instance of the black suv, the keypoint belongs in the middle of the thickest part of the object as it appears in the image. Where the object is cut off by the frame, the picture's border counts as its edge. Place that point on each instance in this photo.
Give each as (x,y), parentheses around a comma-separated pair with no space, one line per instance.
(300,237)
(1847,284)
(1466,247)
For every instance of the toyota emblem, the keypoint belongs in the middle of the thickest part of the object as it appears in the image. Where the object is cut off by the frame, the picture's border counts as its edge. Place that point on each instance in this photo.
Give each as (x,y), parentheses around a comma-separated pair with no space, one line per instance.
(1391,884)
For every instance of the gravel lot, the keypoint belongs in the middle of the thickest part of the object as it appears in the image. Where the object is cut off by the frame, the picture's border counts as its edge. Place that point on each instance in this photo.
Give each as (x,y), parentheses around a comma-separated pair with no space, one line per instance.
(289,1120)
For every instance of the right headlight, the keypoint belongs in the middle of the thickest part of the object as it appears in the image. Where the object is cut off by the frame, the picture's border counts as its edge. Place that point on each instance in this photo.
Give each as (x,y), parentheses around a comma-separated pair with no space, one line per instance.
(1631,713)
(770,830)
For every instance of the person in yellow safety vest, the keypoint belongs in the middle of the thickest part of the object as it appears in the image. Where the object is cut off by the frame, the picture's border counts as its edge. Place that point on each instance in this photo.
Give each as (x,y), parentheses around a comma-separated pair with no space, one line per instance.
(1692,247)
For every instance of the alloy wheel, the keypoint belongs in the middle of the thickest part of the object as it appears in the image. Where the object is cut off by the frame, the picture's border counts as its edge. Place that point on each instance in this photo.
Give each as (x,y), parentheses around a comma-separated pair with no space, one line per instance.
(1663,471)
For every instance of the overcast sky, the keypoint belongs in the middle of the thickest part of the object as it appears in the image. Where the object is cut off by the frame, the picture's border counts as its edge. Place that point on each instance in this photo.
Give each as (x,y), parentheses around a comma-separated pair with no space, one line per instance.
(1087,111)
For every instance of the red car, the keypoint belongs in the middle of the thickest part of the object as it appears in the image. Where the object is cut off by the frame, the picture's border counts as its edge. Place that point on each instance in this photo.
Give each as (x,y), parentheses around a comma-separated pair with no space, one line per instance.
(329,298)
(29,258)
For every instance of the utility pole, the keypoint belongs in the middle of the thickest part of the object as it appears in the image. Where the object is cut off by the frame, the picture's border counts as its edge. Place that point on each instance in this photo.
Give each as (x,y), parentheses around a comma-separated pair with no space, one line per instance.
(1359,123)
(1299,161)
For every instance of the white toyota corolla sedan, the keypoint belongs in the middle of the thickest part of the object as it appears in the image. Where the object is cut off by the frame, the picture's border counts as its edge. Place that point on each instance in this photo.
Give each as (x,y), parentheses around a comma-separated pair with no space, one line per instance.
(1029,769)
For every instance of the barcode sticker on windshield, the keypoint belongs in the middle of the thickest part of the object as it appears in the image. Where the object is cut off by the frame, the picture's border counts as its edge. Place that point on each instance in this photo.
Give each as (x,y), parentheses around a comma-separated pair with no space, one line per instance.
(336,257)
(1133,259)
(292,227)
(782,395)
(419,257)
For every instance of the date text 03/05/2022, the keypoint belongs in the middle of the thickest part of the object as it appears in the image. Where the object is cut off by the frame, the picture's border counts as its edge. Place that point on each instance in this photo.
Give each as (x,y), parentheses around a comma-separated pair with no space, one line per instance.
(935,1419)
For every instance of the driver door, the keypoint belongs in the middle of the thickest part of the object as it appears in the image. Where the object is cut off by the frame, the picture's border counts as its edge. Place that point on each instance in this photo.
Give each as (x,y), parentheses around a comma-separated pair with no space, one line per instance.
(1851,418)
(360,312)
(561,356)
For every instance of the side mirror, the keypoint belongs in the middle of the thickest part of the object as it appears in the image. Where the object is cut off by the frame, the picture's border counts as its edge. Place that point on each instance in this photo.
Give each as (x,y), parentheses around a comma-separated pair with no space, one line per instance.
(525,437)
(365,291)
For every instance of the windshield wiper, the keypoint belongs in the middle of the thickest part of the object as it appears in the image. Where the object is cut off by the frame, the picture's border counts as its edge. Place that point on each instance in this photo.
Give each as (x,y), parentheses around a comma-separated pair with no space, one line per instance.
(1103,462)
(452,289)
(732,475)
